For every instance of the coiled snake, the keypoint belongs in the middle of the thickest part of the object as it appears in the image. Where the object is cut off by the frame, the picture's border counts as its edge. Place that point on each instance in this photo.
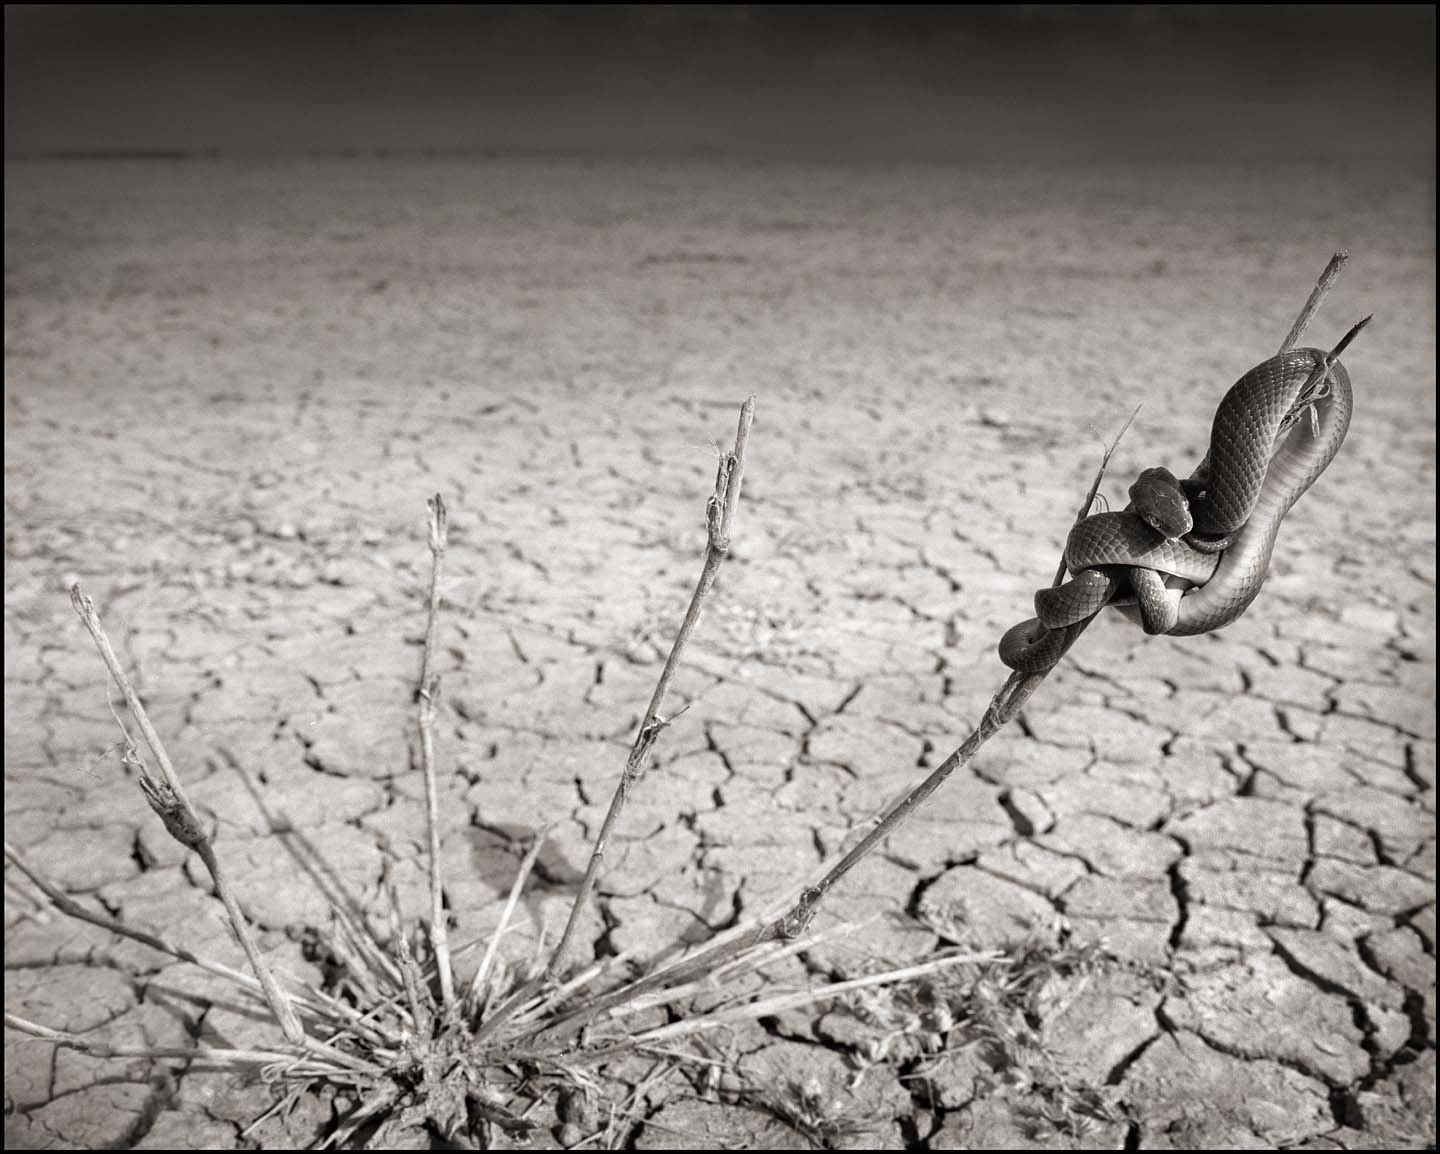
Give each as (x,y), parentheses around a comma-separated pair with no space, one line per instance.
(1195,569)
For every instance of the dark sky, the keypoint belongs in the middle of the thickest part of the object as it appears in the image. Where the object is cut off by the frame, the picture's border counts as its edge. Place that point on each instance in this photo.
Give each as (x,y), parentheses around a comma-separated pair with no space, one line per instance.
(915,82)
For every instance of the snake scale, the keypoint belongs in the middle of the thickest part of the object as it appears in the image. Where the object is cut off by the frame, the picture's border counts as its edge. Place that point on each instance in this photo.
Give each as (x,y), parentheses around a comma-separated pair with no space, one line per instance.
(1191,570)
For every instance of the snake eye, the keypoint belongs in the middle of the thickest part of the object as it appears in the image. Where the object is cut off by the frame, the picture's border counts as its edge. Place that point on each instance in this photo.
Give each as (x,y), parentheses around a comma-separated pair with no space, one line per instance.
(1170,523)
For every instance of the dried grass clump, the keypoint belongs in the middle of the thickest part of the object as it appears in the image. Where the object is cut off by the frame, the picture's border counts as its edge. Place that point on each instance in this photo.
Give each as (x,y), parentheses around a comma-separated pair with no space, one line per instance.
(387,1033)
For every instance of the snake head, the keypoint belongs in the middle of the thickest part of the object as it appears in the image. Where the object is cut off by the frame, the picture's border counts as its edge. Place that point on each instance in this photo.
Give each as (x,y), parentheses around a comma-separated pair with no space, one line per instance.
(1160,501)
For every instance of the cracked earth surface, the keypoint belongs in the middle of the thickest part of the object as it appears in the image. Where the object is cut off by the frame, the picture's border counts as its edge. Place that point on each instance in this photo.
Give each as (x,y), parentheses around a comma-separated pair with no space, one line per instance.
(230,387)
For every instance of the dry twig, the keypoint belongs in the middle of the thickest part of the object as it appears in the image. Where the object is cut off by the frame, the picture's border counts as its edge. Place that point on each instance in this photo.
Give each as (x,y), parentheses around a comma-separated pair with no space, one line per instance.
(168,800)
(1315,300)
(294,1064)
(719,523)
(429,702)
(779,1003)
(477,984)
(1007,702)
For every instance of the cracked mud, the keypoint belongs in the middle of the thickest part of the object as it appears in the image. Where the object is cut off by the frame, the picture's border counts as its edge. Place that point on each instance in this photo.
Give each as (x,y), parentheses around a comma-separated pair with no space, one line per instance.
(229,437)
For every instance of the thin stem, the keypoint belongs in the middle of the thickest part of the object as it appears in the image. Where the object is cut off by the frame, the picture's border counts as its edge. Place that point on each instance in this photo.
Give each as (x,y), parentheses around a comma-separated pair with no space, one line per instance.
(1344,342)
(429,700)
(477,984)
(410,976)
(379,1100)
(1095,484)
(367,957)
(71,908)
(1004,705)
(779,1003)
(756,960)
(1319,373)
(86,609)
(1007,702)
(227,1057)
(719,520)
(1316,298)
(557,995)
(437,539)
(316,1001)
(183,822)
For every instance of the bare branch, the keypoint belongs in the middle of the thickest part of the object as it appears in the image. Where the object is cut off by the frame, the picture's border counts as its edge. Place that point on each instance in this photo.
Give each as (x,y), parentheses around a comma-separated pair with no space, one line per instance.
(71,908)
(429,701)
(168,800)
(720,519)
(1004,706)
(719,524)
(338,1066)
(779,1003)
(1314,301)
(1095,484)
(477,984)
(1008,701)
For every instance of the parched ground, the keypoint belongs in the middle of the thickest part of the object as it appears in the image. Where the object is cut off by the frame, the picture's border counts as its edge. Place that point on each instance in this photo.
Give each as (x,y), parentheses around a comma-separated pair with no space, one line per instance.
(231,386)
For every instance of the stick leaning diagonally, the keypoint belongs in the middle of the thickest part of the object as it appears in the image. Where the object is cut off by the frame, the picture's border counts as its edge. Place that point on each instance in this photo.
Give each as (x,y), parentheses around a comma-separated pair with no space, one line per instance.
(719,524)
(1004,706)
(167,798)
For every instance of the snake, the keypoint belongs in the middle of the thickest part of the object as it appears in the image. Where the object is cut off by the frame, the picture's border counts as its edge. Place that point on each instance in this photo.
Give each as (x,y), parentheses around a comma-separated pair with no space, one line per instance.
(1190,556)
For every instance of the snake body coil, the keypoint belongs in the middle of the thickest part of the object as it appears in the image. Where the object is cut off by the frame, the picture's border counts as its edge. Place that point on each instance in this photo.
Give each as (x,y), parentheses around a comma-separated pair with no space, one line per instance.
(1262,459)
